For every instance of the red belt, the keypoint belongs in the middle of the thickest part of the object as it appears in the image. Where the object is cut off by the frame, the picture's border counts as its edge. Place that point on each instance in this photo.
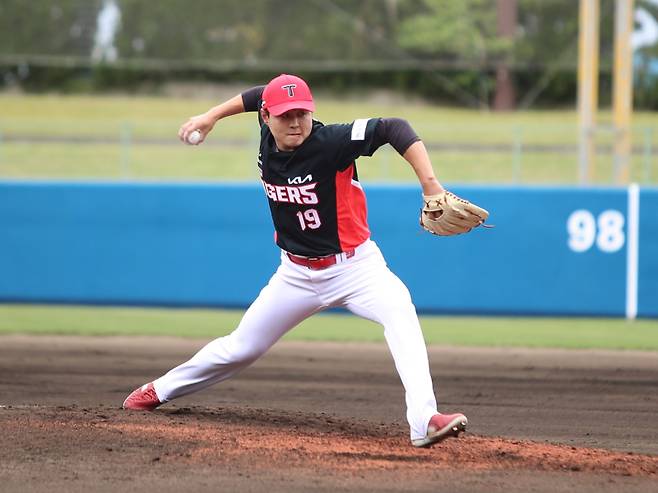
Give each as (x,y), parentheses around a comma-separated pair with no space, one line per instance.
(318,263)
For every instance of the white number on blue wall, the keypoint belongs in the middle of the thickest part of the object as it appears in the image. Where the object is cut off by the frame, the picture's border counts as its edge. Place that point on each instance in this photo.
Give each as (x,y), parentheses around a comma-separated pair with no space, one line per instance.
(585,230)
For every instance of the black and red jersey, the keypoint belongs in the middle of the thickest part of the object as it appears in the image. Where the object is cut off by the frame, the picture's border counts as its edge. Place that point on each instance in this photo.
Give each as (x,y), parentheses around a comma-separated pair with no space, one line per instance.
(318,206)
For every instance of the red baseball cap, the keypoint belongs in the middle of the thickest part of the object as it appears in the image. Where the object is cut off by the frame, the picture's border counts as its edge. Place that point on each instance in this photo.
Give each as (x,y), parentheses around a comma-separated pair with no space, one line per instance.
(285,93)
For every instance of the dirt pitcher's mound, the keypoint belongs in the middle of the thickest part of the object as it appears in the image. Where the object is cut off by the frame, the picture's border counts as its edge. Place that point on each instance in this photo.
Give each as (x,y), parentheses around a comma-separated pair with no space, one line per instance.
(262,439)
(262,431)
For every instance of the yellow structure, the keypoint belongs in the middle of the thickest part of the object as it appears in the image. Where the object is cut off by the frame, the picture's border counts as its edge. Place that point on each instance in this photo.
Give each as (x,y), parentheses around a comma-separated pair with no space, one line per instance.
(588,87)
(622,98)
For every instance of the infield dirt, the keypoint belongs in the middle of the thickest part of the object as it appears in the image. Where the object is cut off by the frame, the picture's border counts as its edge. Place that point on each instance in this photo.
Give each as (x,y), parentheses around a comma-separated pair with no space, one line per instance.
(324,417)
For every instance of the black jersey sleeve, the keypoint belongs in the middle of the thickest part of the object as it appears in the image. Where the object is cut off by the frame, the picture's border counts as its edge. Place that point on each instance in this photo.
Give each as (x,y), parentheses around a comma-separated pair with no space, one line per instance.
(251,98)
(354,140)
(397,132)
(364,137)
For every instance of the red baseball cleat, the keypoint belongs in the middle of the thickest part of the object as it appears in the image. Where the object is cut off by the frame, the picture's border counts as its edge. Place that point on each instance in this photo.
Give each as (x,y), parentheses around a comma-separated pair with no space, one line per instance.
(440,427)
(142,399)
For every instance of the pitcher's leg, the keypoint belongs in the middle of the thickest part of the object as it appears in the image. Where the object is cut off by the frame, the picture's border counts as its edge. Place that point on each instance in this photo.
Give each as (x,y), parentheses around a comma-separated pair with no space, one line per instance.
(280,306)
(381,297)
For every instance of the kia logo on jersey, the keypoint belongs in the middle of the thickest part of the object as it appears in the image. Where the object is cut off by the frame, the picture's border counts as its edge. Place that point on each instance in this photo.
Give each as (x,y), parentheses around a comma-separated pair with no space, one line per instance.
(289,88)
(298,180)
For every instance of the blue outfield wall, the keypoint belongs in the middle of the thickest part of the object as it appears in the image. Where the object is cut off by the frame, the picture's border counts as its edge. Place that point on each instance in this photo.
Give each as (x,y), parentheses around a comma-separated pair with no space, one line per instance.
(648,253)
(553,251)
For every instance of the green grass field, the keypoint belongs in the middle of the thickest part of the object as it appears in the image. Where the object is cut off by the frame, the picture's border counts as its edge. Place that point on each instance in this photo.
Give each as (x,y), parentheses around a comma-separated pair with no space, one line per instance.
(120,137)
(459,331)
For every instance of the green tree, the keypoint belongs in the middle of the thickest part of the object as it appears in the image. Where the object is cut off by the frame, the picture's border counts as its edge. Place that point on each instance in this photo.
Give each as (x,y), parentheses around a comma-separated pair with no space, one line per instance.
(465,30)
(63,27)
(462,34)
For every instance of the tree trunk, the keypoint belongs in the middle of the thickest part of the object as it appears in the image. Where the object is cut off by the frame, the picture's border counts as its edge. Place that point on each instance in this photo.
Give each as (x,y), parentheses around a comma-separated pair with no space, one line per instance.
(505,98)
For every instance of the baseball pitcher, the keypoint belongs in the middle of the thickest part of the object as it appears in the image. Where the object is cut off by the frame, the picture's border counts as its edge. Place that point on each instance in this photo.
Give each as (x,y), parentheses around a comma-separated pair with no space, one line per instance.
(309,175)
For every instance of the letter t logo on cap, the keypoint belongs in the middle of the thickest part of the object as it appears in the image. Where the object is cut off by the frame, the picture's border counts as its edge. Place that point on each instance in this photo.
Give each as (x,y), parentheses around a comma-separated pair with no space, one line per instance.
(289,88)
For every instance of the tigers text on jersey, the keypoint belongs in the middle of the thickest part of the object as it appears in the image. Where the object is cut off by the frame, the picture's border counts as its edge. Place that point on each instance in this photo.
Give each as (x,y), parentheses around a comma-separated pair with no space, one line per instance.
(318,206)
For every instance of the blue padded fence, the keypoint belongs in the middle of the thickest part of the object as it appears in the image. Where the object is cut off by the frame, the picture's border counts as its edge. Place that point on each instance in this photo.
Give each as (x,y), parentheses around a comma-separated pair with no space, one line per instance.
(554,251)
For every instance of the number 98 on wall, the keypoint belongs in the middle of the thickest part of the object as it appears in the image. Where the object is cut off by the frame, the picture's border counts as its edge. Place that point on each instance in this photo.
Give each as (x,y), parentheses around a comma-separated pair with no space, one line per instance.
(605,231)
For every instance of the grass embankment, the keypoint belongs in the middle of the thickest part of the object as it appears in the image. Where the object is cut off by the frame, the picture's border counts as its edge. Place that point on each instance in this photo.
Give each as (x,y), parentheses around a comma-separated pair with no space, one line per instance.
(459,331)
(113,137)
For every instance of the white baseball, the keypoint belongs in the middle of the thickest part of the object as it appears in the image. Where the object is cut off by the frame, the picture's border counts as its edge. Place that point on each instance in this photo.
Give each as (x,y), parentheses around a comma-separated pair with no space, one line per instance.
(194,137)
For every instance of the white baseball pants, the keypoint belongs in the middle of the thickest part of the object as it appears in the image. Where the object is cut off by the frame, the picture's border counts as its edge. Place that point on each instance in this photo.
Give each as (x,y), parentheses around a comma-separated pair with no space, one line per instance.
(363,284)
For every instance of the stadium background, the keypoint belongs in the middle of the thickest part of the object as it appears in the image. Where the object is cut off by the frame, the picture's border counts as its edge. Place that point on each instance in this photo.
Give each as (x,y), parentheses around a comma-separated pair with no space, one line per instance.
(95,91)
(101,205)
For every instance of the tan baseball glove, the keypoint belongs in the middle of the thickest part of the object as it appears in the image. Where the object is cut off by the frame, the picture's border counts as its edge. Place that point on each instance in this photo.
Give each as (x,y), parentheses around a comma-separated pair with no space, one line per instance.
(445,214)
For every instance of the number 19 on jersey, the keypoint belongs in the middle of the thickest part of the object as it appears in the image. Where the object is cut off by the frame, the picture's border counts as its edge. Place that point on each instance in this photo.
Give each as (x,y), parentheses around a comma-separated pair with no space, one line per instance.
(309,219)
